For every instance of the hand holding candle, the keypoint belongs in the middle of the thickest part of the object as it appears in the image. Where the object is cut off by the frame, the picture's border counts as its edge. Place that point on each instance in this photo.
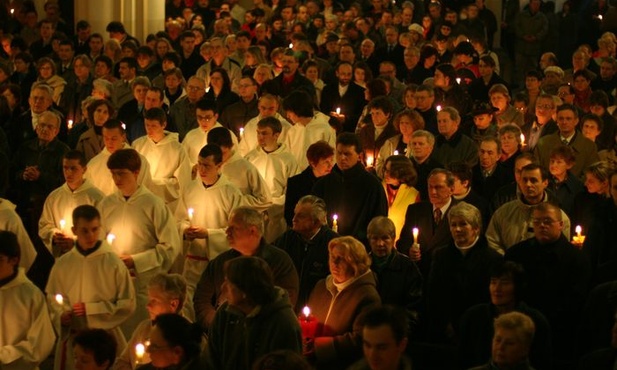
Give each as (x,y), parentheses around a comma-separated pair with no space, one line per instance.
(579,238)
(308,324)
(369,161)
(338,110)
(140,351)
(62,225)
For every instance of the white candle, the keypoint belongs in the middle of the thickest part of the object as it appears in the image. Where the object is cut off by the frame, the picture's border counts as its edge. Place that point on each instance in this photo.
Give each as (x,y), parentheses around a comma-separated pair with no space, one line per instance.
(438,108)
(110,238)
(458,80)
(241,131)
(62,225)
(415,232)
(335,222)
(59,299)
(207,89)
(124,126)
(191,211)
(600,17)
(70,124)
(395,152)
(12,11)
(523,139)
(578,230)
(140,350)
(291,46)
(369,161)
(306,311)
(338,110)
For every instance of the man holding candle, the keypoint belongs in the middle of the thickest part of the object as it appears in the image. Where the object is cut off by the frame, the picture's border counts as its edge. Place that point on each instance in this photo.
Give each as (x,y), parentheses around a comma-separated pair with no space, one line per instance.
(60,203)
(343,101)
(451,144)
(93,282)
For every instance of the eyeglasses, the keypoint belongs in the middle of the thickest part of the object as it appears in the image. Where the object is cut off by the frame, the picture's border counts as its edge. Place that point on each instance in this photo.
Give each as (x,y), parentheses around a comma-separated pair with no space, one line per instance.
(194,88)
(204,118)
(543,221)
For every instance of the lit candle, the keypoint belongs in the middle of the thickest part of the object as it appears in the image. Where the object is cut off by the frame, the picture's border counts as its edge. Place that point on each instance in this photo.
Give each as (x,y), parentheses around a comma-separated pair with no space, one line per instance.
(458,80)
(110,238)
(191,211)
(600,17)
(241,131)
(12,11)
(291,46)
(369,161)
(207,89)
(415,232)
(335,223)
(338,110)
(59,299)
(70,124)
(523,139)
(124,126)
(140,350)
(62,225)
(578,230)
(438,108)
(395,152)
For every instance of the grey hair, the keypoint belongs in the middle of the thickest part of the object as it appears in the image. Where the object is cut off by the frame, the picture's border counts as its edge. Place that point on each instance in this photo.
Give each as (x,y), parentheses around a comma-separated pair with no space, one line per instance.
(248,216)
(468,213)
(48,90)
(453,113)
(430,138)
(54,115)
(172,285)
(511,128)
(103,84)
(318,208)
(520,323)
(381,225)
(142,81)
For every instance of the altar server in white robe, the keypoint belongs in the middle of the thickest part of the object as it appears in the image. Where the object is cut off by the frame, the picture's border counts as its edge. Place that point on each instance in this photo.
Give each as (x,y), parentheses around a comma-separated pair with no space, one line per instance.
(10,221)
(95,286)
(241,172)
(56,221)
(26,333)
(268,106)
(114,137)
(308,128)
(170,167)
(207,119)
(276,165)
(145,233)
(166,294)
(204,213)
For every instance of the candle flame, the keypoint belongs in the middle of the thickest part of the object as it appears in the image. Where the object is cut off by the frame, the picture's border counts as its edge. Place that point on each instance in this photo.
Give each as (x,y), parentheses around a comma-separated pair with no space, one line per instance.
(335,217)
(291,46)
(523,139)
(241,131)
(140,350)
(578,230)
(70,124)
(458,80)
(62,224)
(438,108)
(124,126)
(191,211)
(59,298)
(415,232)
(369,160)
(207,89)
(395,152)
(111,238)
(338,110)
(306,311)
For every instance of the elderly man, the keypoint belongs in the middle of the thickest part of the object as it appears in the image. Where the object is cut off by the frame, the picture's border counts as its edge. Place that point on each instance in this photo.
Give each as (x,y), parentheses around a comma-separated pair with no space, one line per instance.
(183,110)
(220,59)
(307,244)
(451,144)
(489,175)
(38,169)
(422,144)
(431,219)
(399,281)
(40,100)
(512,223)
(560,274)
(245,236)
(268,106)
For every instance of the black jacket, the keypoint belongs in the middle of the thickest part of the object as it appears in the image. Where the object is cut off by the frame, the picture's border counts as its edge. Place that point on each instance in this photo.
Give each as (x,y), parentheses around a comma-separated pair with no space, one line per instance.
(297,187)
(351,104)
(299,82)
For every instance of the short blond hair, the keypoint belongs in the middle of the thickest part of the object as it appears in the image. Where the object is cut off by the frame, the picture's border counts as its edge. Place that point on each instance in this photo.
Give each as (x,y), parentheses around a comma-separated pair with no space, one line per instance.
(518,322)
(354,251)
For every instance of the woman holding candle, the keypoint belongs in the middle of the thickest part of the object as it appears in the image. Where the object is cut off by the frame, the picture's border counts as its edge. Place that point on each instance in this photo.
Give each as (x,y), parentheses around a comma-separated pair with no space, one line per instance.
(220,89)
(91,142)
(406,122)
(596,196)
(339,302)
(256,319)
(500,99)
(510,139)
(374,134)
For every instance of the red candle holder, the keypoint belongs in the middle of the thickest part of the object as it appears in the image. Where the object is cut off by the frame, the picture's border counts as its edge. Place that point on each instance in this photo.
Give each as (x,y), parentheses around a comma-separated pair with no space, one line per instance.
(308,324)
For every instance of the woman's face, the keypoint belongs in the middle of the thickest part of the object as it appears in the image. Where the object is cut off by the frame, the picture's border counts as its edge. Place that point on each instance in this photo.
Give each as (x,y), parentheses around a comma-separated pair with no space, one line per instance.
(216,81)
(499,101)
(172,82)
(20,66)
(430,61)
(462,232)
(235,297)
(426,22)
(379,117)
(509,143)
(502,291)
(340,269)
(323,166)
(590,130)
(249,59)
(359,75)
(161,48)
(46,71)
(581,83)
(388,178)
(594,185)
(410,100)
(405,126)
(261,75)
(161,354)
(10,98)
(312,73)
(101,115)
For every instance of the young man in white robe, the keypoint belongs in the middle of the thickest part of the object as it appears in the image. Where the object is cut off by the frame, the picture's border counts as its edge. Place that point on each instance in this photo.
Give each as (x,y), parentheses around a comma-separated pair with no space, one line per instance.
(268,106)
(114,137)
(56,221)
(275,164)
(27,333)
(207,119)
(203,214)
(10,221)
(94,285)
(145,233)
(241,172)
(170,167)
(166,294)
(308,128)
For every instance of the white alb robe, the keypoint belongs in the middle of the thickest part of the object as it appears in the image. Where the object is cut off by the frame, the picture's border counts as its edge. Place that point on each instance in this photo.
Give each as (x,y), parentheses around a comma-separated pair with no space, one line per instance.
(247,179)
(248,141)
(10,221)
(102,282)
(100,176)
(301,137)
(211,210)
(26,333)
(60,204)
(197,138)
(170,167)
(144,228)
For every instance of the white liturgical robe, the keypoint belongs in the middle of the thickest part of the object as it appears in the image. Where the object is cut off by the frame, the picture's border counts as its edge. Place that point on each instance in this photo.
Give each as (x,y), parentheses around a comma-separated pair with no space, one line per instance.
(102,282)
(248,141)
(247,179)
(100,176)
(145,229)
(10,221)
(170,167)
(211,209)
(26,333)
(197,138)
(60,204)
(300,137)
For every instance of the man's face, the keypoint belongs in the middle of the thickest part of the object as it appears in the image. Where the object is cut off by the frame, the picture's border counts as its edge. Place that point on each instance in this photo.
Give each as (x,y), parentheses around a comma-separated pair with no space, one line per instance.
(143,61)
(195,89)
(266,137)
(238,234)
(114,139)
(302,15)
(346,156)
(367,48)
(7,266)
(407,15)
(206,119)
(382,244)
(139,93)
(482,121)
(502,291)
(39,101)
(96,45)
(424,101)
(565,95)
(247,89)
(410,58)
(101,69)
(440,79)
(532,83)
(607,71)
(152,100)
(420,147)
(188,44)
(159,303)
(380,348)
(243,43)
(267,107)
(485,69)
(438,190)
(547,225)
(126,73)
(544,61)
(87,232)
(65,53)
(287,14)
(46,31)
(344,74)
(451,17)
(387,70)
(47,128)
(208,170)
(508,349)
(154,129)
(290,64)
(488,154)
(545,107)
(446,125)
(567,121)
(73,171)
(84,33)
(303,222)
(125,180)
(558,166)
(346,54)
(391,36)
(532,185)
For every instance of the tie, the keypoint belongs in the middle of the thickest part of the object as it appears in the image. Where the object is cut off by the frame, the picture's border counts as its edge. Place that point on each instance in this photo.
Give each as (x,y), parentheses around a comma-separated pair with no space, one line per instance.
(437,216)
(565,142)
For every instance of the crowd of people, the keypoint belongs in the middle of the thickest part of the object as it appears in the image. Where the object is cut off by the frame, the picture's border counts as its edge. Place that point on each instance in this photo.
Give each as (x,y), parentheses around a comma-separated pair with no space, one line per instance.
(310,184)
